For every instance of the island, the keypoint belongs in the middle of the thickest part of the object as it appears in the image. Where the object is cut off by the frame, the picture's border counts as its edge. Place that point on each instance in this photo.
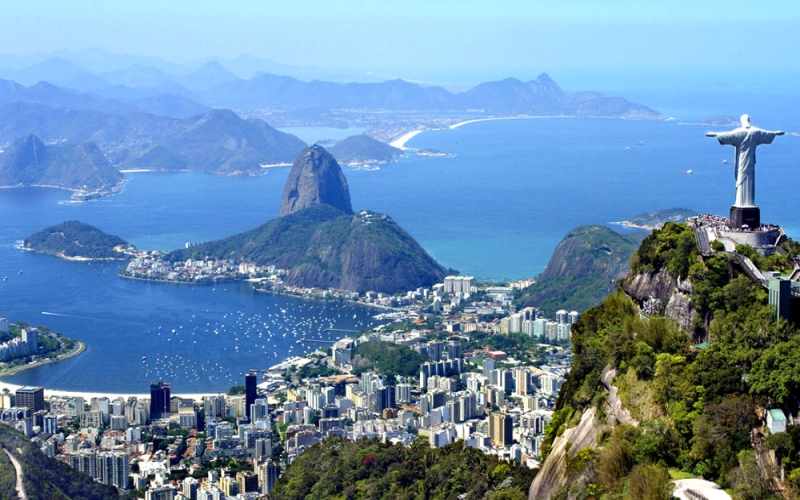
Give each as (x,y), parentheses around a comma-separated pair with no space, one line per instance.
(720,121)
(435,153)
(74,240)
(657,218)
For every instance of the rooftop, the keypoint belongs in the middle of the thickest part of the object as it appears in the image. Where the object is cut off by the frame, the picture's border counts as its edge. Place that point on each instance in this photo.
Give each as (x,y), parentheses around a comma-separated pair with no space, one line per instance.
(777,414)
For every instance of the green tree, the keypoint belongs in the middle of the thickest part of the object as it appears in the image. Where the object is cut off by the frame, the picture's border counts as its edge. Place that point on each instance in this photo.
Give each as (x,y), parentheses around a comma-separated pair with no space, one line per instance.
(649,482)
(776,374)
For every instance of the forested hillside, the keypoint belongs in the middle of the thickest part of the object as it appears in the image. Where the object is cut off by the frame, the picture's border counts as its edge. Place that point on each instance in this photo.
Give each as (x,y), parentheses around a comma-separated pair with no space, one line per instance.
(338,468)
(694,407)
(44,478)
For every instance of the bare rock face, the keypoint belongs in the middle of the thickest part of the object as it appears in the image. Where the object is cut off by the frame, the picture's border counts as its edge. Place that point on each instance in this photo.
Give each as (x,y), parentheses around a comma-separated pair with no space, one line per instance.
(552,476)
(668,288)
(315,179)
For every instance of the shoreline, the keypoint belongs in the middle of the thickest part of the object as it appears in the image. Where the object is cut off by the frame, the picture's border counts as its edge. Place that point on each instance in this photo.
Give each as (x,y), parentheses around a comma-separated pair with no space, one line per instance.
(21,368)
(275,165)
(495,118)
(400,142)
(631,225)
(75,258)
(87,395)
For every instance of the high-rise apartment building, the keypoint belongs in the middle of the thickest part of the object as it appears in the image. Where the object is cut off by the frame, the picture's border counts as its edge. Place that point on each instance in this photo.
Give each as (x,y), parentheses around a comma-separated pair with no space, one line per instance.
(30,397)
(159,400)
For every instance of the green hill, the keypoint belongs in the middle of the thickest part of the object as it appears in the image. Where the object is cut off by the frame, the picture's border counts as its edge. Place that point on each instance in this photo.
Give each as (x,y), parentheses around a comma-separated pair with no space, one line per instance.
(220,142)
(582,269)
(364,149)
(74,239)
(44,478)
(339,468)
(84,167)
(653,400)
(325,247)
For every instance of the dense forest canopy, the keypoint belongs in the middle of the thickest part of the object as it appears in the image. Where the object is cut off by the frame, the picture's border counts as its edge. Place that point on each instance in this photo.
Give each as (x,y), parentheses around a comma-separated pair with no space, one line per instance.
(697,405)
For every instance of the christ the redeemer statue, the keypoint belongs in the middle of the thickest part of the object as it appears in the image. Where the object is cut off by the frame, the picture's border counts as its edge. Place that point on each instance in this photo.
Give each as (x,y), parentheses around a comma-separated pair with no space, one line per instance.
(746,138)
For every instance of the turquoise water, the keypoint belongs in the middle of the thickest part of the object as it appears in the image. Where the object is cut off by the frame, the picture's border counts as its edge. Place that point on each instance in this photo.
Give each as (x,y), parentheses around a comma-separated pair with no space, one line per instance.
(495,210)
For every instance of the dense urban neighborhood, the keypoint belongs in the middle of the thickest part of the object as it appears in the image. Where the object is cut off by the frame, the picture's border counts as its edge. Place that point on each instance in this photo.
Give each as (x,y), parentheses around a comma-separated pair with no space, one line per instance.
(454,362)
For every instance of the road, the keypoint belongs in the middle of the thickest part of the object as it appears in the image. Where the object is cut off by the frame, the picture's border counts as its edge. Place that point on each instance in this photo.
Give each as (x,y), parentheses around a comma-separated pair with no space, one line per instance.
(20,487)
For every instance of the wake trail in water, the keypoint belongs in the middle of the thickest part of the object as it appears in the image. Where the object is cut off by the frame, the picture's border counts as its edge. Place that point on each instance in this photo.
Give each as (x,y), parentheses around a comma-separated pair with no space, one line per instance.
(47,313)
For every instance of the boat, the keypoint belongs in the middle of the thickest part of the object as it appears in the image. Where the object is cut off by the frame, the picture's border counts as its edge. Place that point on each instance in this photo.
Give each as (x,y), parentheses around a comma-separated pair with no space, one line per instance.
(724,161)
(5,278)
(688,172)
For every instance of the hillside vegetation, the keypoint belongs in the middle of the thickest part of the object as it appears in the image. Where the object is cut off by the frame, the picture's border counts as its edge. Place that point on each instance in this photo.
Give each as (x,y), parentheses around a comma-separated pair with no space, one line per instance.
(697,407)
(76,239)
(363,149)
(581,270)
(325,247)
(388,358)
(45,478)
(28,161)
(338,468)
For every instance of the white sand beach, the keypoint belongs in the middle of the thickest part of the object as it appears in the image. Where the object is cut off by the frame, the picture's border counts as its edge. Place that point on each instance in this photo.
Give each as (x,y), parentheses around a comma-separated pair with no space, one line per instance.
(465,122)
(89,395)
(400,142)
(273,165)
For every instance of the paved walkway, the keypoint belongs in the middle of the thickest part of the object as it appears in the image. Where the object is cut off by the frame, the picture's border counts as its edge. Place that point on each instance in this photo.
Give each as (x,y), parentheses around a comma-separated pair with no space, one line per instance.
(20,486)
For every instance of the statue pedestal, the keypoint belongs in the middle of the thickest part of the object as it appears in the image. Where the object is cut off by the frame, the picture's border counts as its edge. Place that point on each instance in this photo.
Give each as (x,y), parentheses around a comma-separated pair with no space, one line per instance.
(745,215)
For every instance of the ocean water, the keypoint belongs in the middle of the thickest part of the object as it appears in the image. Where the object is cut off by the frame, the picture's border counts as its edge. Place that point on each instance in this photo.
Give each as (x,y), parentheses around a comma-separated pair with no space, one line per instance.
(495,210)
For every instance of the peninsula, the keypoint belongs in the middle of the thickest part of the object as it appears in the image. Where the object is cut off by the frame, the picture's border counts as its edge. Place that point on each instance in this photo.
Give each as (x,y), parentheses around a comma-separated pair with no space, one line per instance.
(317,242)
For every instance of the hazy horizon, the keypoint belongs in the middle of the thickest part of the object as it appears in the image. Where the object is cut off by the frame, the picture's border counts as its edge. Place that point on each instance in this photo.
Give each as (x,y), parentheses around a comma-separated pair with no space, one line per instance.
(616,45)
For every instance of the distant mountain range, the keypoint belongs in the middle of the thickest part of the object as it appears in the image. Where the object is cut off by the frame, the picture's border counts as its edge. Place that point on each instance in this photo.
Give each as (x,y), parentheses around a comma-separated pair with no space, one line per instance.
(218,141)
(146,117)
(212,84)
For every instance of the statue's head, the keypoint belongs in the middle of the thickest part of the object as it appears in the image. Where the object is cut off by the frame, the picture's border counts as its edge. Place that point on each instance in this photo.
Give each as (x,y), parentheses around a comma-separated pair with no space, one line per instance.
(746,121)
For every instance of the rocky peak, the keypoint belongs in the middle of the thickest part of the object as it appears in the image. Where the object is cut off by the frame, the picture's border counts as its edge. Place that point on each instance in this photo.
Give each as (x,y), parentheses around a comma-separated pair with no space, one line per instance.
(316,178)
(24,152)
(544,86)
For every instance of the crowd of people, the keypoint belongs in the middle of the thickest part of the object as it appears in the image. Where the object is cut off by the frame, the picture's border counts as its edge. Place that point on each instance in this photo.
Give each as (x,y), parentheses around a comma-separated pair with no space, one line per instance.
(720,223)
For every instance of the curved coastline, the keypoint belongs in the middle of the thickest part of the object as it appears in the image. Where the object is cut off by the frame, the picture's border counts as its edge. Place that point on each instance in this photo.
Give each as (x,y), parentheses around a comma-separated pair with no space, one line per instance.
(400,142)
(80,347)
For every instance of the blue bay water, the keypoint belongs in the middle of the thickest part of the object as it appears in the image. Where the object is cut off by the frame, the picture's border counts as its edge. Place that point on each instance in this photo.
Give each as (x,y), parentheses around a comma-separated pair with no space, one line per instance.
(495,210)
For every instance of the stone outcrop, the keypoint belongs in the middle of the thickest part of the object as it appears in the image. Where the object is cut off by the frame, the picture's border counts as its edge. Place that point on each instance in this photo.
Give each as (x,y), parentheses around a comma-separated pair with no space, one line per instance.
(674,294)
(315,178)
(552,475)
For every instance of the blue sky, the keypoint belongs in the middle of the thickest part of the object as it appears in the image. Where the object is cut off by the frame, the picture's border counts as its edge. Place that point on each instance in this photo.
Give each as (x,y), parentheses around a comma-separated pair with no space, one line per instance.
(444,41)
